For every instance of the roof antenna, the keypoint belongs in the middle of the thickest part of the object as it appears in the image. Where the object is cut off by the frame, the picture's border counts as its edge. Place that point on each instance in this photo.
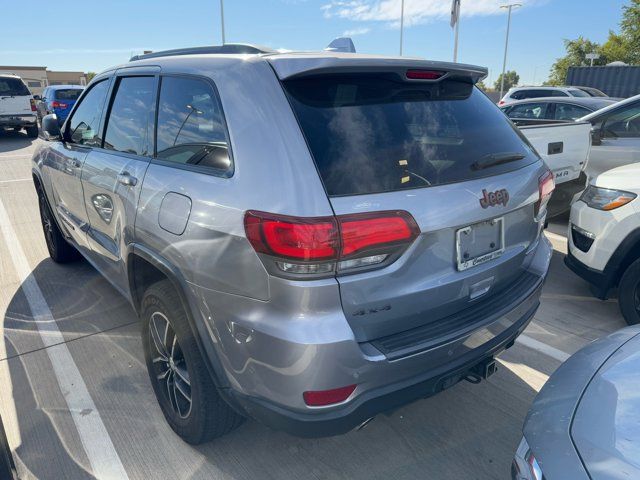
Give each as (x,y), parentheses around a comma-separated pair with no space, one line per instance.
(341,44)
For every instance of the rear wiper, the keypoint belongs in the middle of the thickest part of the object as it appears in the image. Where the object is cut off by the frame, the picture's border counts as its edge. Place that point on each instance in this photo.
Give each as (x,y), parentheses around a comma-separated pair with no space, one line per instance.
(496,159)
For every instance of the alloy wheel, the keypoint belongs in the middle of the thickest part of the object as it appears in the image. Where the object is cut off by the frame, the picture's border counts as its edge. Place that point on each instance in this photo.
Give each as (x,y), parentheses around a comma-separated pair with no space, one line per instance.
(170,368)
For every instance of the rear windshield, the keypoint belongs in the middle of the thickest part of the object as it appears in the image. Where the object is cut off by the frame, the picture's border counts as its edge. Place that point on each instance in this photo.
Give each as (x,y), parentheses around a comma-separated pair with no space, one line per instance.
(10,86)
(376,134)
(68,94)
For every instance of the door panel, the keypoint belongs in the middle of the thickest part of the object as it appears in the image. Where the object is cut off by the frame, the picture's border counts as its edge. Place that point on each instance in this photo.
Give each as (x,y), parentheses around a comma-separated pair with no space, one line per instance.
(112,176)
(612,153)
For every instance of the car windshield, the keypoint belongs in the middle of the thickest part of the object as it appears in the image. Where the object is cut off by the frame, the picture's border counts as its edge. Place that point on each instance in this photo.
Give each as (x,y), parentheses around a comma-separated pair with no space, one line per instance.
(578,93)
(68,94)
(13,87)
(372,134)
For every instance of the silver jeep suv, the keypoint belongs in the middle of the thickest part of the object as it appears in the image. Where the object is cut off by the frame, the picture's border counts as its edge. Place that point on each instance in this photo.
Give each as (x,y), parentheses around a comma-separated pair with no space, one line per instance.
(309,239)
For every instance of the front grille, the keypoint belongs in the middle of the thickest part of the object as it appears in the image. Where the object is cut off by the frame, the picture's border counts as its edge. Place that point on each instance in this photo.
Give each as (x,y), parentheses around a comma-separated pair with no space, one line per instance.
(431,335)
(580,240)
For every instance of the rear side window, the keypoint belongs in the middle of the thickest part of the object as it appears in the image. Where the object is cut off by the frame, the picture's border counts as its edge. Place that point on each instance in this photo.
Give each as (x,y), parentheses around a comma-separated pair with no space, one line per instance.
(84,124)
(191,129)
(557,93)
(524,94)
(10,86)
(370,134)
(68,94)
(566,111)
(131,116)
(534,110)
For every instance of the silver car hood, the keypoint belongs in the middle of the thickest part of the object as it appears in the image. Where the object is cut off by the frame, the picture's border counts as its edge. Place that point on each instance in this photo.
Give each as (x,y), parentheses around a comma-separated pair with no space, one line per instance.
(606,425)
(548,426)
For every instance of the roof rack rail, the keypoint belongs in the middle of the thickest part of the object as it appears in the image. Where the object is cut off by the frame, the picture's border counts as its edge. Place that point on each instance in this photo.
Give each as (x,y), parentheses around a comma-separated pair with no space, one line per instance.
(227,48)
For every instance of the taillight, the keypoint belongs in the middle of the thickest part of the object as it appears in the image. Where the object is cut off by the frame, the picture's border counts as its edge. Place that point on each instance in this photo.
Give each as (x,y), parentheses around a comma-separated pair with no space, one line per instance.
(33,104)
(546,185)
(325,245)
(424,74)
(328,397)
(501,102)
(56,104)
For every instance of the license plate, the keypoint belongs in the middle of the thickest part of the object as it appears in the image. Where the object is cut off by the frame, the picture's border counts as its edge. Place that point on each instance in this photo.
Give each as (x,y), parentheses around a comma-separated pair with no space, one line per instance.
(479,243)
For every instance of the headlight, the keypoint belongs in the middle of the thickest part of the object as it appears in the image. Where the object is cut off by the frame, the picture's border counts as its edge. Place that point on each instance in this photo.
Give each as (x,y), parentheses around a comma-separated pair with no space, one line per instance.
(525,466)
(605,198)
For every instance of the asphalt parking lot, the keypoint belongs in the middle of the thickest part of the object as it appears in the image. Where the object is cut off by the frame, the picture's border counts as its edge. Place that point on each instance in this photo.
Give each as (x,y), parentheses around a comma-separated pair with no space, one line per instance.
(69,321)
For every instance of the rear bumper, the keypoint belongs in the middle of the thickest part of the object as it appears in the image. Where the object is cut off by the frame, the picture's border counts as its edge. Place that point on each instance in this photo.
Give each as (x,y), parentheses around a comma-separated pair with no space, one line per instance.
(384,382)
(384,399)
(13,121)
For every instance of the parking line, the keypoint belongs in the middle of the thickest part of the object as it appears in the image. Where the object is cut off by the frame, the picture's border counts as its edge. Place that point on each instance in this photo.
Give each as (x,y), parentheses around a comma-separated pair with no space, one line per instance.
(555,236)
(102,455)
(16,180)
(542,348)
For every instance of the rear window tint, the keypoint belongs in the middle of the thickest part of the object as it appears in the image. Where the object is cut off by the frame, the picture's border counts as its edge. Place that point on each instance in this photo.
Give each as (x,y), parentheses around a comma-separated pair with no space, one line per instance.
(10,86)
(374,134)
(68,94)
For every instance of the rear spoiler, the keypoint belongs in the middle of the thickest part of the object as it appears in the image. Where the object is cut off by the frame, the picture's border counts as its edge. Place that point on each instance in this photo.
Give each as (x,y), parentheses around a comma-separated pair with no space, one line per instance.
(302,65)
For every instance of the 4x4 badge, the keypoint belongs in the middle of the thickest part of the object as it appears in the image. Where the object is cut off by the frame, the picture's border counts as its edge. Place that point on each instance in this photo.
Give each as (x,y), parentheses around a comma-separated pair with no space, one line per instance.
(491,199)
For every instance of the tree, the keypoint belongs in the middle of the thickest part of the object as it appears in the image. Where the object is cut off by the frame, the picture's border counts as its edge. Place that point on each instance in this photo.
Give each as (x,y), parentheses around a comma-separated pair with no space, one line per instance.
(90,76)
(481,86)
(576,56)
(511,79)
(630,31)
(623,46)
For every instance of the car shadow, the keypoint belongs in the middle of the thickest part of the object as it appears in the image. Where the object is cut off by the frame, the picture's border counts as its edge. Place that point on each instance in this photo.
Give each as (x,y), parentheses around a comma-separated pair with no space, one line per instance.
(10,140)
(467,431)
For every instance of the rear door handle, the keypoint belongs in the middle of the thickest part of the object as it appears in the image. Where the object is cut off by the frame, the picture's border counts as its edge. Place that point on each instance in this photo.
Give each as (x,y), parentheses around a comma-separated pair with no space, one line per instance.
(125,178)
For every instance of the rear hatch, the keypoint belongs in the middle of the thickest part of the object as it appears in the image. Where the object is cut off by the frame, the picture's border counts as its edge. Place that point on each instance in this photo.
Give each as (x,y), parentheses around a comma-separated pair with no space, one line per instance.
(15,98)
(431,145)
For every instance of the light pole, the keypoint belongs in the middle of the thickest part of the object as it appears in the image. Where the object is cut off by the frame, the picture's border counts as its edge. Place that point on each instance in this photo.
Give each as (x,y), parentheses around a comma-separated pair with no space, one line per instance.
(506,43)
(401,23)
(222,19)
(455,23)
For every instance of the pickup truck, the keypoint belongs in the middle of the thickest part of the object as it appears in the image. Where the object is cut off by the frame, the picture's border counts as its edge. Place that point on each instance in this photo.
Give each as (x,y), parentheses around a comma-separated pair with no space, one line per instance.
(565,149)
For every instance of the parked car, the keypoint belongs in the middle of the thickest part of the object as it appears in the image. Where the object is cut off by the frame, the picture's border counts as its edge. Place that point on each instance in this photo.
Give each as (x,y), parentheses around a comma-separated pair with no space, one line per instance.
(58,99)
(310,253)
(604,237)
(615,136)
(522,93)
(17,106)
(593,92)
(543,111)
(583,425)
(564,146)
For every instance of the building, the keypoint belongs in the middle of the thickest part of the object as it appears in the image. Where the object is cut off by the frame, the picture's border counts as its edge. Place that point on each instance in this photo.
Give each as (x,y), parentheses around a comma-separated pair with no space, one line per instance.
(66,78)
(37,78)
(615,80)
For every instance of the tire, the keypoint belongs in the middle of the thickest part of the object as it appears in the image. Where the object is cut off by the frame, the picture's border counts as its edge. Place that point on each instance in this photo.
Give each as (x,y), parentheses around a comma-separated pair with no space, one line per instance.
(629,293)
(32,132)
(60,250)
(178,372)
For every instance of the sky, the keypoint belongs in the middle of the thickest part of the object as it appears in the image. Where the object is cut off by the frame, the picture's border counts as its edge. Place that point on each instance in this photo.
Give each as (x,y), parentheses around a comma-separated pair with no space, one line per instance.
(91,36)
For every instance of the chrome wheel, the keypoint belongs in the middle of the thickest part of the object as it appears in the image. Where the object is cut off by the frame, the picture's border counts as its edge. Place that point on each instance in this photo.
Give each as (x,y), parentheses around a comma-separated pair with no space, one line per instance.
(170,368)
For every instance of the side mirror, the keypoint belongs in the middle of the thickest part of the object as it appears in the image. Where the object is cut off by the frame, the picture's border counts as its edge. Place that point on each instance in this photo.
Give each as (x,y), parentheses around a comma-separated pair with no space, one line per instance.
(50,128)
(37,97)
(596,135)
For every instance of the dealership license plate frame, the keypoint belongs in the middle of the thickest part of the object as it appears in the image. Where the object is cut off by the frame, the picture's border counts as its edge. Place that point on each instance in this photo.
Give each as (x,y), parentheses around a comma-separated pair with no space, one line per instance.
(474,240)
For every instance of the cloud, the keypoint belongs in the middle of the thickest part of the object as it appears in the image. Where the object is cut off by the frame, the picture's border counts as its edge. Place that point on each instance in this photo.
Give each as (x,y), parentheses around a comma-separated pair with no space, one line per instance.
(415,11)
(356,31)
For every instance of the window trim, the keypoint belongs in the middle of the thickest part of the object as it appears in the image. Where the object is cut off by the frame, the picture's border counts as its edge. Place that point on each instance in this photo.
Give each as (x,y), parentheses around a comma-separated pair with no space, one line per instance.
(183,166)
(106,113)
(67,122)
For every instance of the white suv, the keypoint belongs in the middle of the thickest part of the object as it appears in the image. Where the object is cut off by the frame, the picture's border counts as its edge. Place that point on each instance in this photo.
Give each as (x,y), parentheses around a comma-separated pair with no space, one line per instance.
(522,93)
(604,237)
(17,106)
